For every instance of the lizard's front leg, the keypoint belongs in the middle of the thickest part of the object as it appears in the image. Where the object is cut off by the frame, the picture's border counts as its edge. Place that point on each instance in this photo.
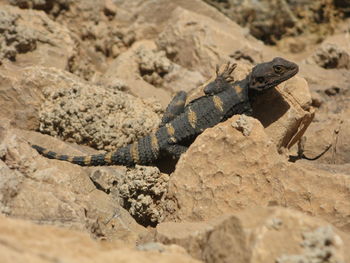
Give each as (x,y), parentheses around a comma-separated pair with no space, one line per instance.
(223,80)
(174,108)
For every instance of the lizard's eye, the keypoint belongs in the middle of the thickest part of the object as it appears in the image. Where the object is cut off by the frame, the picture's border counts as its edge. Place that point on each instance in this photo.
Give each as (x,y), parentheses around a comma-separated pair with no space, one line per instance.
(278,69)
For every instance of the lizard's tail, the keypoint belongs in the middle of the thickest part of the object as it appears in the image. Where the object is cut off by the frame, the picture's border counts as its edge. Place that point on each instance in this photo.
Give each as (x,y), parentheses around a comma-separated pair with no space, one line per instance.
(144,151)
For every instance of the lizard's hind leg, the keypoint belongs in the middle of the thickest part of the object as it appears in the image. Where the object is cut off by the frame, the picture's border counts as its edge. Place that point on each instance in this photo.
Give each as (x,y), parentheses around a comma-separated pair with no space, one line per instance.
(175,107)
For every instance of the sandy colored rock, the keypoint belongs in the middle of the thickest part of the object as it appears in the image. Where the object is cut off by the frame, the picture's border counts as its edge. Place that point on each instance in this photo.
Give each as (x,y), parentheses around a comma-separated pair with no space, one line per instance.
(185,40)
(148,73)
(329,131)
(74,110)
(57,193)
(330,56)
(26,242)
(96,115)
(29,37)
(127,67)
(285,112)
(225,171)
(20,98)
(329,93)
(152,16)
(273,21)
(140,190)
(333,52)
(258,235)
(152,49)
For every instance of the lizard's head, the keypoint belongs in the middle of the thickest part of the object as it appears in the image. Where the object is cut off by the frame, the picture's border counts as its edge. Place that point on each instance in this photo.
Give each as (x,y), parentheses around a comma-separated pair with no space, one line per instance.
(270,74)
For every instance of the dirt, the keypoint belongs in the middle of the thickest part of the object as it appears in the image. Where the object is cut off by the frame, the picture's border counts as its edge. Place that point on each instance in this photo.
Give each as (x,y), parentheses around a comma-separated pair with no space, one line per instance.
(82,77)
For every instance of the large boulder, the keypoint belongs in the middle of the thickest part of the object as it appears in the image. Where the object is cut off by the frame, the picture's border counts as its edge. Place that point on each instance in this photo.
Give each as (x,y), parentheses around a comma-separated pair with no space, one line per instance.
(23,241)
(59,103)
(235,166)
(30,37)
(57,193)
(258,235)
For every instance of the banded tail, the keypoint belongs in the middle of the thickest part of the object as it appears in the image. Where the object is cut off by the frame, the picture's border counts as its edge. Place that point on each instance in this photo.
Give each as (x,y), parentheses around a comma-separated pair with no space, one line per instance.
(144,151)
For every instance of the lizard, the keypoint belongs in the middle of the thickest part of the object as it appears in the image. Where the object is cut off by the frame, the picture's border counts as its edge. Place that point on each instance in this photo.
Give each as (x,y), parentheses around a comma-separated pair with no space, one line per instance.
(181,124)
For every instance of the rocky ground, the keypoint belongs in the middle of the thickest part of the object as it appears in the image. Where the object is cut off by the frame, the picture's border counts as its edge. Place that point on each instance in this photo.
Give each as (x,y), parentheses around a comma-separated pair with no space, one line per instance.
(81,77)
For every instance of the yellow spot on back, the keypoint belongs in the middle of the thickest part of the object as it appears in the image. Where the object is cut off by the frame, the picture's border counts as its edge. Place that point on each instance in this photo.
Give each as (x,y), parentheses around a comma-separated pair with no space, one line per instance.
(170,129)
(108,157)
(70,159)
(180,103)
(238,89)
(46,151)
(134,150)
(192,118)
(87,160)
(154,143)
(218,103)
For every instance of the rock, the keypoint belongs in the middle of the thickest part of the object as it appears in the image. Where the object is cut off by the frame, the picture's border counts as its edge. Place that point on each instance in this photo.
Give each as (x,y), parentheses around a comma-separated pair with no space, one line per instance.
(219,240)
(150,17)
(156,246)
(258,235)
(57,193)
(185,41)
(225,171)
(320,79)
(330,56)
(27,242)
(285,112)
(330,92)
(29,37)
(271,21)
(127,67)
(343,5)
(20,100)
(54,7)
(140,190)
(98,116)
(329,130)
(150,74)
(62,105)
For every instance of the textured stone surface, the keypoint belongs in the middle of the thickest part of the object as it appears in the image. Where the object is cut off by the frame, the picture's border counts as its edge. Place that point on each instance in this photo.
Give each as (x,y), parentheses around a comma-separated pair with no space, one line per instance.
(285,112)
(225,171)
(27,242)
(95,115)
(330,56)
(148,73)
(31,38)
(140,190)
(258,235)
(50,192)
(151,49)
(20,99)
(272,20)
(332,131)
(75,110)
(185,40)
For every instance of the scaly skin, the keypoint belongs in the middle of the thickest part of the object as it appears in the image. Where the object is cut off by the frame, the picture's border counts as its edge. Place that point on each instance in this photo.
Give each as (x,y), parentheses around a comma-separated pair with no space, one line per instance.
(182,124)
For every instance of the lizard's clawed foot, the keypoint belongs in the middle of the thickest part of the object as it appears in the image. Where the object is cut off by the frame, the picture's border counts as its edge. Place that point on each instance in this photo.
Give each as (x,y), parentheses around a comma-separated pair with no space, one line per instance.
(226,72)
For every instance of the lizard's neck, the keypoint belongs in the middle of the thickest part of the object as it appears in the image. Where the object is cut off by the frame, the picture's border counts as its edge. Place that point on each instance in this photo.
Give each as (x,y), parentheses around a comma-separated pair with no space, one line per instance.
(252,93)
